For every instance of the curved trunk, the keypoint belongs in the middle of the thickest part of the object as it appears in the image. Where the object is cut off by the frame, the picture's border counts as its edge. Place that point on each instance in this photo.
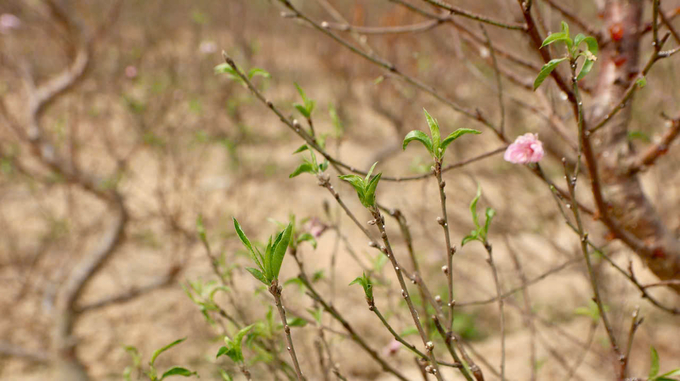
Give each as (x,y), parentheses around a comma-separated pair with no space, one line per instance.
(625,201)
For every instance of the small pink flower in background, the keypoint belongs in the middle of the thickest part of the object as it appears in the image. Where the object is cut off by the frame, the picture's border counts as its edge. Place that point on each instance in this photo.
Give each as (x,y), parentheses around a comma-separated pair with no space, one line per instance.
(207,47)
(131,71)
(526,149)
(392,348)
(316,227)
(8,22)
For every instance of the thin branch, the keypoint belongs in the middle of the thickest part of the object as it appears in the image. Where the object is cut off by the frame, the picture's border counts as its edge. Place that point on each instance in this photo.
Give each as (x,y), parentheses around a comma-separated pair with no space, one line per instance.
(414,28)
(387,250)
(649,156)
(575,19)
(499,292)
(634,325)
(275,290)
(353,335)
(461,12)
(571,184)
(499,82)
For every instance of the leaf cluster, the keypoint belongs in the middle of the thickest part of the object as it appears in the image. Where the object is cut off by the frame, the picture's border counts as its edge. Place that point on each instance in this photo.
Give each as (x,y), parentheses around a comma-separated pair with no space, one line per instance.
(480,232)
(152,373)
(309,165)
(574,52)
(307,105)
(225,68)
(435,146)
(365,187)
(366,284)
(269,264)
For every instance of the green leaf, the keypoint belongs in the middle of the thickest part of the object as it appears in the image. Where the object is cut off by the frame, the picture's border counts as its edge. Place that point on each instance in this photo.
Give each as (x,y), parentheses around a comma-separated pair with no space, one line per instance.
(434,130)
(546,70)
(674,372)
(490,213)
(369,195)
(229,351)
(242,235)
(358,184)
(471,237)
(163,349)
(268,262)
(308,238)
(178,371)
(302,168)
(279,251)
(258,275)
(640,135)
(473,206)
(419,136)
(554,37)
(592,45)
(238,339)
(303,147)
(641,82)
(585,69)
(200,229)
(257,71)
(301,92)
(302,109)
(654,366)
(455,135)
(225,376)
(317,314)
(296,322)
(365,283)
(579,39)
(370,172)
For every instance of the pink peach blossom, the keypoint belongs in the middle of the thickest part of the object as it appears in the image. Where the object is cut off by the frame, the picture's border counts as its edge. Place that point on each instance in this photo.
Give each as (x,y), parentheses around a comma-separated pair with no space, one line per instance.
(526,149)
(131,72)
(8,22)
(392,348)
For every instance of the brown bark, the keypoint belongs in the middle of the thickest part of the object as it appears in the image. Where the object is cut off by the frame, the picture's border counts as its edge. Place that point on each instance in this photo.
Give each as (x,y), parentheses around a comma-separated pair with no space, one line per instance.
(625,203)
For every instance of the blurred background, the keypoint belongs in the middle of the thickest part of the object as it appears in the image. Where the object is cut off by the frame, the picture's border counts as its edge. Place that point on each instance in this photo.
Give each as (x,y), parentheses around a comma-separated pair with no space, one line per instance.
(116,134)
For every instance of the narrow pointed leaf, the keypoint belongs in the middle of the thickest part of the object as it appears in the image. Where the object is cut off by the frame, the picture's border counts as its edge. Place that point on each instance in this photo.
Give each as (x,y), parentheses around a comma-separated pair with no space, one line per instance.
(257,274)
(178,371)
(163,349)
(560,36)
(257,71)
(302,168)
(369,196)
(434,130)
(490,213)
(308,238)
(455,135)
(280,251)
(473,206)
(419,136)
(302,109)
(654,366)
(546,70)
(302,148)
(370,172)
(267,264)
(585,69)
(242,235)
